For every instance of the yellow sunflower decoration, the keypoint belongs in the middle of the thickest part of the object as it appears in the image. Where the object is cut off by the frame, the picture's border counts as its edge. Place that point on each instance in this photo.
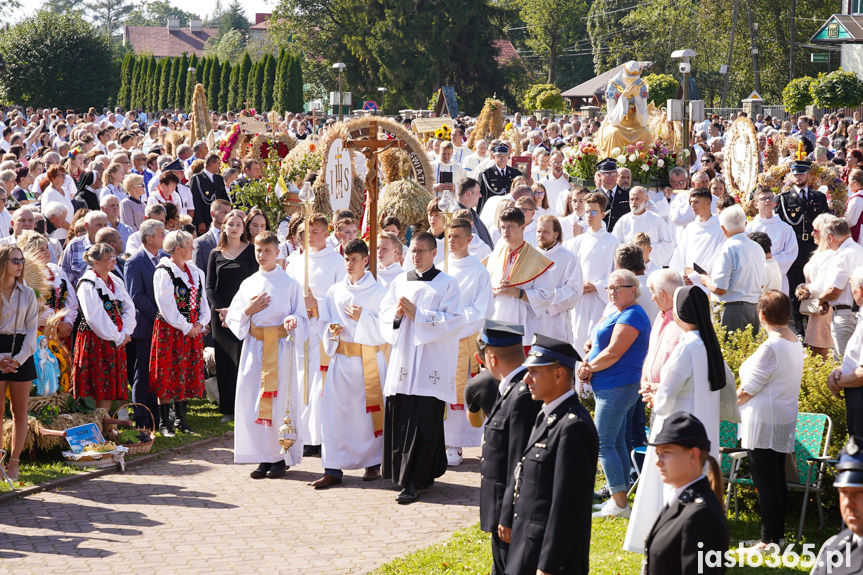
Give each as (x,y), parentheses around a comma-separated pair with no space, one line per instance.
(443,133)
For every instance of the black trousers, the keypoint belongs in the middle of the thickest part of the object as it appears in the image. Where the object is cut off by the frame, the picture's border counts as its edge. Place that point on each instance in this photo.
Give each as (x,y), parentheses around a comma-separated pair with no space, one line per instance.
(795,278)
(854,409)
(141,385)
(499,551)
(768,474)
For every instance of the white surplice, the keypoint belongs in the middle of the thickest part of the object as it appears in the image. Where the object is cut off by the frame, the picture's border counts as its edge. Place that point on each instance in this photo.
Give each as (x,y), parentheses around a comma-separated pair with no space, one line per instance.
(783,242)
(474,286)
(348,433)
(424,350)
(568,288)
(656,228)
(388,274)
(699,243)
(595,253)
(255,443)
(326,267)
(684,386)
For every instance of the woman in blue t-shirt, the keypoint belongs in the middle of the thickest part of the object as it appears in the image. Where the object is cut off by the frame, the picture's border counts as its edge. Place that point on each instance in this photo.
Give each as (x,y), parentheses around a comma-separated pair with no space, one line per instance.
(618,347)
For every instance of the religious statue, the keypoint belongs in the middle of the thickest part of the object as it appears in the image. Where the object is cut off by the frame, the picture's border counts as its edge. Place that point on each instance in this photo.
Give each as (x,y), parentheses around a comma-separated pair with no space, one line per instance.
(627,118)
(47,368)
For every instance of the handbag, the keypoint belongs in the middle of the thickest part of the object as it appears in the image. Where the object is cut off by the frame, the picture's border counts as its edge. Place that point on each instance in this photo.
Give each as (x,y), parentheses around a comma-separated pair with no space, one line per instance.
(809,306)
(791,472)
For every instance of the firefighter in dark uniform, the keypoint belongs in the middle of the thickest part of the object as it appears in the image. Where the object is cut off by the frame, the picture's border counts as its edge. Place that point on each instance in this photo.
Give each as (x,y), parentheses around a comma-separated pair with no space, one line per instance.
(548,503)
(798,207)
(497,180)
(509,424)
(843,553)
(691,533)
(618,198)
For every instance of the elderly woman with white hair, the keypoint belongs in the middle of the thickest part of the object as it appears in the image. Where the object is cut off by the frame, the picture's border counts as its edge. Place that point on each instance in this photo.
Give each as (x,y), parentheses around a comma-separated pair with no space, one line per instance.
(613,367)
(176,353)
(737,273)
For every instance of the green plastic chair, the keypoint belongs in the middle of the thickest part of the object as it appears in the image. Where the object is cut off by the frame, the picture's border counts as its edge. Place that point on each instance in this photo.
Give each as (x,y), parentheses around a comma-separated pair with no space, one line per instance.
(811,443)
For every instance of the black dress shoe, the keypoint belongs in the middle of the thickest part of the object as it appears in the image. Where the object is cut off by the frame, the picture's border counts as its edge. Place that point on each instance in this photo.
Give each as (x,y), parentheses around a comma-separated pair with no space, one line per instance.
(601,495)
(408,495)
(277,469)
(261,471)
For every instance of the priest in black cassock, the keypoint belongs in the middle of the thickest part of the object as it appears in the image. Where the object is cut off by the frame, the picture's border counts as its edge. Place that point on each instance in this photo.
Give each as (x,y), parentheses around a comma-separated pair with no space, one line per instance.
(421,316)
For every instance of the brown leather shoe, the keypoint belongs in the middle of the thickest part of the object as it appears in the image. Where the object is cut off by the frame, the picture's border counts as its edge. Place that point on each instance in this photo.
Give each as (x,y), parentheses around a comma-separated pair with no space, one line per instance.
(326,481)
(372,474)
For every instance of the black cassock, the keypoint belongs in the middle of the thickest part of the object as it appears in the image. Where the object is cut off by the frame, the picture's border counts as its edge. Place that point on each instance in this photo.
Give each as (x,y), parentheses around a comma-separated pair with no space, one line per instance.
(414,449)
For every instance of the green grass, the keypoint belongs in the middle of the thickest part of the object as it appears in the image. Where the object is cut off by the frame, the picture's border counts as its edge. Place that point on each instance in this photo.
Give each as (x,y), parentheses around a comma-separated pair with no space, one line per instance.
(203,418)
(469,550)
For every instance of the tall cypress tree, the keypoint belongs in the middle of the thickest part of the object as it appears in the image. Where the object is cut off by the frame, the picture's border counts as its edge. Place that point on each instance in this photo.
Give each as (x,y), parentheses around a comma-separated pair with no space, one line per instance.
(171,86)
(224,87)
(146,85)
(269,86)
(133,86)
(260,78)
(295,85)
(232,87)
(155,80)
(253,87)
(214,84)
(179,97)
(277,87)
(164,82)
(243,81)
(125,80)
(190,82)
(205,72)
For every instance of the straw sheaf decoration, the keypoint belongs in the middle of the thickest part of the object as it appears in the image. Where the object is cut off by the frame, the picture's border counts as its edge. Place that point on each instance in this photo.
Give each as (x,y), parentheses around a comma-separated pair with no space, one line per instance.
(489,125)
(199,116)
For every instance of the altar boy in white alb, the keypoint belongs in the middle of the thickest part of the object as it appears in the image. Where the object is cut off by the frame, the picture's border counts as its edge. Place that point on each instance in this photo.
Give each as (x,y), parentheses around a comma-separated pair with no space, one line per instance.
(474,287)
(267,309)
(352,405)
(325,269)
(421,317)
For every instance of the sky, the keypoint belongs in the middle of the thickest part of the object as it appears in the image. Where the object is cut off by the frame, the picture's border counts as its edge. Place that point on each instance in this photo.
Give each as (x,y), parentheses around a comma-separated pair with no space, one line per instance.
(199,7)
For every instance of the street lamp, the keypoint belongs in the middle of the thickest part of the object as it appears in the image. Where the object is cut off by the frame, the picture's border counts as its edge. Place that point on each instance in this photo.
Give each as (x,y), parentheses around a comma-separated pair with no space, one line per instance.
(383,92)
(307,199)
(447,206)
(340,67)
(685,69)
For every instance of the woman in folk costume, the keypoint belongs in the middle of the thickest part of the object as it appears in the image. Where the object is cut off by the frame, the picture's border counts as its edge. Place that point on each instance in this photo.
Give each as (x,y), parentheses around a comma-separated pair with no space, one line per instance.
(177,356)
(268,308)
(108,320)
(690,381)
(61,297)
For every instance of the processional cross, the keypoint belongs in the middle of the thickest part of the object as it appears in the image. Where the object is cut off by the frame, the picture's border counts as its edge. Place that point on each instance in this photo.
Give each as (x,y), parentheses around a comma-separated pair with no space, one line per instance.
(370,148)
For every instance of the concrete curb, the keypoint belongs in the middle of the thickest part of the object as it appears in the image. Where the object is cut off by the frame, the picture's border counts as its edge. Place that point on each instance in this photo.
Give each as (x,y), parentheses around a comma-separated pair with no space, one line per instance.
(131,464)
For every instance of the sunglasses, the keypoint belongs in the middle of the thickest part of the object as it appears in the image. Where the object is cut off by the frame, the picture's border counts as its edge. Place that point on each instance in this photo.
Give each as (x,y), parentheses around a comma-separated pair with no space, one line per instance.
(17,261)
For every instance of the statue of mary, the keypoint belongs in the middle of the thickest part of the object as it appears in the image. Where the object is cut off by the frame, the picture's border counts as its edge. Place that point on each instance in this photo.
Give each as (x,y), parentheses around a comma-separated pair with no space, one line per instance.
(627,118)
(47,368)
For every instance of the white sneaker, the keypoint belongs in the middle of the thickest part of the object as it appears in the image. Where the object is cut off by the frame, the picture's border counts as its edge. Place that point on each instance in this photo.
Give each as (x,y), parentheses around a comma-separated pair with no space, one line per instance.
(453,456)
(610,509)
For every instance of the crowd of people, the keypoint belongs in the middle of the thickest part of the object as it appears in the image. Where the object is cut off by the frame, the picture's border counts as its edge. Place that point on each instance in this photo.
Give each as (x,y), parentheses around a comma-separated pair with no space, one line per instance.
(157,277)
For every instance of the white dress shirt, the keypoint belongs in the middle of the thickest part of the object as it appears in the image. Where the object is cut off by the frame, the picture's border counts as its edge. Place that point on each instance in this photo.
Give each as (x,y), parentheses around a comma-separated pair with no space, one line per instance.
(739,269)
(845,260)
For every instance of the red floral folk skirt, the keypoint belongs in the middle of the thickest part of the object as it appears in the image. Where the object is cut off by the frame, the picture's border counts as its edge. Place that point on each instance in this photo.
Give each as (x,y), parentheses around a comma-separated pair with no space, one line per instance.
(98,368)
(176,363)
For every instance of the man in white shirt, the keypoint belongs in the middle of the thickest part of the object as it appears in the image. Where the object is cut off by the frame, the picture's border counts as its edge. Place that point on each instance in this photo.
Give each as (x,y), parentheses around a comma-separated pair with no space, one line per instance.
(700,240)
(737,273)
(472,161)
(847,379)
(640,219)
(848,257)
(460,152)
(447,164)
(568,283)
(783,243)
(556,184)
(680,211)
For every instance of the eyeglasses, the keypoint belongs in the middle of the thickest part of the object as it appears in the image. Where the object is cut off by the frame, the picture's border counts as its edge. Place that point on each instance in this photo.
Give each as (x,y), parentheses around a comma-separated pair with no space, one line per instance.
(613,289)
(592,213)
(17,261)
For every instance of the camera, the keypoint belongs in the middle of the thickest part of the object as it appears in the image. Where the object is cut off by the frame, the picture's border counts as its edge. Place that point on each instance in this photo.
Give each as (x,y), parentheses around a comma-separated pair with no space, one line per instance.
(685,68)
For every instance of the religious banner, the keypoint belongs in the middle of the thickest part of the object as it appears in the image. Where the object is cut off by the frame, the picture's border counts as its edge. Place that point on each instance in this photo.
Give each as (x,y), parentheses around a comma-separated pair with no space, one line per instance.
(338,175)
(740,167)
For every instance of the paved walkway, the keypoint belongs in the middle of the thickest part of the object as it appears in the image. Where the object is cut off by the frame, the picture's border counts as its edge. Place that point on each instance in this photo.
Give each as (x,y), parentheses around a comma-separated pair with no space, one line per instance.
(200,513)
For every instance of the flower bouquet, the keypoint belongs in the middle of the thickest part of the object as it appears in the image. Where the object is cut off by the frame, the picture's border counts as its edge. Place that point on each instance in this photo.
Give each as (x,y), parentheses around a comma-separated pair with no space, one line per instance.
(581,163)
(228,143)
